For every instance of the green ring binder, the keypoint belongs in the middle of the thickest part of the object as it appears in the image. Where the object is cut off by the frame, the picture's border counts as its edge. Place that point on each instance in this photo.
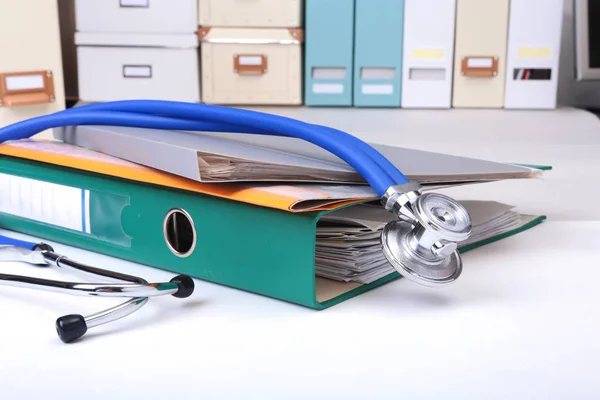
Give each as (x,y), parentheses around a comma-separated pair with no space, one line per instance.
(257,249)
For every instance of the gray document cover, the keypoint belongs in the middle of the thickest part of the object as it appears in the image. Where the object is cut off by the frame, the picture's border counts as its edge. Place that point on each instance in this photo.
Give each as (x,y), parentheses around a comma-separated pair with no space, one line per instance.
(234,157)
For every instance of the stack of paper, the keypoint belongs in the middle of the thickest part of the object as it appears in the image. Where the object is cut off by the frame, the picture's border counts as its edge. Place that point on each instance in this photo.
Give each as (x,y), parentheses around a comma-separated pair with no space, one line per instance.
(491,219)
(348,240)
(218,168)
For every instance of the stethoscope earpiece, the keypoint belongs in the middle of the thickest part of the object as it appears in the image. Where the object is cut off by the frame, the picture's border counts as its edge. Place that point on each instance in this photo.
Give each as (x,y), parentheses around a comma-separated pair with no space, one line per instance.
(71,327)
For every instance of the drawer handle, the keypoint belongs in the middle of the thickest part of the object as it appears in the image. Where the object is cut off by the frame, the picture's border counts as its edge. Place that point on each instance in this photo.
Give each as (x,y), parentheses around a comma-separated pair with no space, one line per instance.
(479,66)
(26,88)
(250,64)
(137,71)
(134,3)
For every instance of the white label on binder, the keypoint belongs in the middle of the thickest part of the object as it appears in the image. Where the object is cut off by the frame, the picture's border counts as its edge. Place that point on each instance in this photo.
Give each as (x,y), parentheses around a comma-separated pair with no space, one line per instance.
(22,82)
(45,202)
(329,73)
(485,62)
(330,88)
(427,74)
(377,89)
(377,73)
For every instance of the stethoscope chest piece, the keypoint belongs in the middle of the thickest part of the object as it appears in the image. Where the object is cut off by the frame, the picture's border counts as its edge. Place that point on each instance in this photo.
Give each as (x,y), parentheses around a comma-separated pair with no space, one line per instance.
(425,250)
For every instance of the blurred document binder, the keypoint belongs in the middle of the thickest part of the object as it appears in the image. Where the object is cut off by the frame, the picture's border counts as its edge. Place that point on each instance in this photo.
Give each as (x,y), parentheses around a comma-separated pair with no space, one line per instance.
(480,53)
(378,33)
(231,157)
(329,49)
(296,243)
(428,53)
(534,37)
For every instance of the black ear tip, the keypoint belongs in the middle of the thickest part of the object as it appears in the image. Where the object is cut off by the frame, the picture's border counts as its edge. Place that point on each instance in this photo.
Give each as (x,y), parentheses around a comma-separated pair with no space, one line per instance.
(71,327)
(186,286)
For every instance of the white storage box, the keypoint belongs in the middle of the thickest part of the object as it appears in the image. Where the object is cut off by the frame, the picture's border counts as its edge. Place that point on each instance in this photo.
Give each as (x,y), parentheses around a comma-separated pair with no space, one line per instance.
(119,68)
(141,16)
(533,54)
(427,66)
(251,66)
(31,72)
(254,13)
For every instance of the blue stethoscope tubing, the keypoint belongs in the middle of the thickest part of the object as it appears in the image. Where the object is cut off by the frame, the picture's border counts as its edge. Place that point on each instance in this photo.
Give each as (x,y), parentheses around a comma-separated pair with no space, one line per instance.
(379,173)
(8,241)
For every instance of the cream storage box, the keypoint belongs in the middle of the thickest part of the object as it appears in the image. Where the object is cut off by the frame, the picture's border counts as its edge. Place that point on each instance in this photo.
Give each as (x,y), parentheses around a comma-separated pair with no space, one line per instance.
(127,66)
(31,71)
(251,65)
(251,13)
(480,53)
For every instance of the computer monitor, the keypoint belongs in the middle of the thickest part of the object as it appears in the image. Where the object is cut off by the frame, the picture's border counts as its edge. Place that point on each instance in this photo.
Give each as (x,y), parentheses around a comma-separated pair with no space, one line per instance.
(587,39)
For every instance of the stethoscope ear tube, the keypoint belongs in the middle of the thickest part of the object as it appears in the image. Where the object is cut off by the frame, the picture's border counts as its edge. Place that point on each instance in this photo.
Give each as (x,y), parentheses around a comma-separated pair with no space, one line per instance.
(73,326)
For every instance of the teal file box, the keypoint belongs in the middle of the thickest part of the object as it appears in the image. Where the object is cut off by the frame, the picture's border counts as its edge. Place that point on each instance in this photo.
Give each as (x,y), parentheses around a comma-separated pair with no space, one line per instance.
(257,249)
(329,52)
(378,38)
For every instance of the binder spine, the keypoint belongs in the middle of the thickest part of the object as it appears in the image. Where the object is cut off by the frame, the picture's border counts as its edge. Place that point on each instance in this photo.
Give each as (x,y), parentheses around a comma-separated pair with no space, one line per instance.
(428,53)
(329,52)
(533,54)
(255,249)
(378,53)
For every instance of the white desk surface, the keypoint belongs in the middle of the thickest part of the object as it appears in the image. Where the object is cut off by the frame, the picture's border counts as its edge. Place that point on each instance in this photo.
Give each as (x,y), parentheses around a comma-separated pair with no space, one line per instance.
(522,322)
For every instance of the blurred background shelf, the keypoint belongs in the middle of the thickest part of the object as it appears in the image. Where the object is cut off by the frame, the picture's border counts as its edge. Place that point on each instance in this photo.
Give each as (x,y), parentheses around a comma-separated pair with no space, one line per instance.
(375,124)
(571,92)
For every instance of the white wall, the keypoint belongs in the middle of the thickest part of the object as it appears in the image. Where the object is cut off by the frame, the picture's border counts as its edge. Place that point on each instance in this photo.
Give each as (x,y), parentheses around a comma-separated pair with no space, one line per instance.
(571,92)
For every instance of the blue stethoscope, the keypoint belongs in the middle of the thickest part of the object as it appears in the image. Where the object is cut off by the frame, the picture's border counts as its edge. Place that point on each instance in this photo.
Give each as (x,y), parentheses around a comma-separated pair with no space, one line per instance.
(421,244)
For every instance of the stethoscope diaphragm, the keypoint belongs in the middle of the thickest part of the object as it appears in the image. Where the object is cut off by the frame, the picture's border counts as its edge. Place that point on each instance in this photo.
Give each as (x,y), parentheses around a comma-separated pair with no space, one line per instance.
(425,250)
